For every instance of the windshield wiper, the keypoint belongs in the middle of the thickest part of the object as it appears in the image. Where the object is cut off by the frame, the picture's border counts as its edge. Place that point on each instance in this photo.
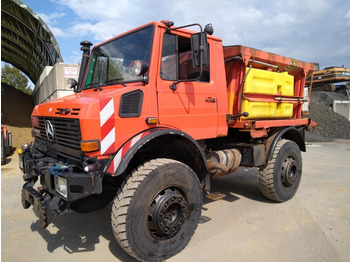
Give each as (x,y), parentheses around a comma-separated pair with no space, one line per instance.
(98,88)
(116,81)
(101,89)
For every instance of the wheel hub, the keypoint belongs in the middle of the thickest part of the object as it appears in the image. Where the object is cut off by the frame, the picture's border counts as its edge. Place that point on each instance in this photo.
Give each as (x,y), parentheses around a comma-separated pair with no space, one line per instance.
(167,213)
(289,172)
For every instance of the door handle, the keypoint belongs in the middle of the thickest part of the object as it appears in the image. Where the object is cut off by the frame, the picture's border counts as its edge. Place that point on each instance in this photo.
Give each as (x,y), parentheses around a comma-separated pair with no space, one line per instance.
(210,100)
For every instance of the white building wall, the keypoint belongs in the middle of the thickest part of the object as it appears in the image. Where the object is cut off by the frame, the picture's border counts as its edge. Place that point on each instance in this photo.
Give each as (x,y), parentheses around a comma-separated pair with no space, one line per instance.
(342,107)
(52,82)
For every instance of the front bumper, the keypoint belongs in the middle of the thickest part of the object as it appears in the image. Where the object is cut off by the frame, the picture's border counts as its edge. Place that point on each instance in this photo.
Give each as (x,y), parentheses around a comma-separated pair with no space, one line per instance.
(60,184)
(47,205)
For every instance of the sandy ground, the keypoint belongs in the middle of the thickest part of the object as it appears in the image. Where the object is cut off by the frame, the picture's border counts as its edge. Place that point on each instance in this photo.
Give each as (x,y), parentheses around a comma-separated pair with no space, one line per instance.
(20,135)
(313,226)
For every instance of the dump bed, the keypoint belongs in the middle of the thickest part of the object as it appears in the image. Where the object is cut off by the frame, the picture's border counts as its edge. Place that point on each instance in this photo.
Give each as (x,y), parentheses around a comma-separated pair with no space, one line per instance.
(269,87)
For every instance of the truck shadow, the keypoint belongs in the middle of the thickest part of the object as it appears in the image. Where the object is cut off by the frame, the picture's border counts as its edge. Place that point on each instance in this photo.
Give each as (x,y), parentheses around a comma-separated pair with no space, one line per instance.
(243,183)
(7,161)
(76,233)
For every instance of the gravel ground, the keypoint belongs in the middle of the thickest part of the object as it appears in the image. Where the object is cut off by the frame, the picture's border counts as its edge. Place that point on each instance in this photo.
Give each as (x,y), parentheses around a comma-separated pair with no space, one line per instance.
(329,123)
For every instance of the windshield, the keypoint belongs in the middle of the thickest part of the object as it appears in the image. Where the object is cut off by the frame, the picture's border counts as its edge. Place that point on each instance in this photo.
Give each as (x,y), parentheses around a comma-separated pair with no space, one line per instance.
(112,63)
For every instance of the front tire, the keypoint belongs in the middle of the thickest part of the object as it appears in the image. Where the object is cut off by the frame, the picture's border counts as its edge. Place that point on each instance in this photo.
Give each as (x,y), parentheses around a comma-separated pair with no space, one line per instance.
(157,210)
(280,179)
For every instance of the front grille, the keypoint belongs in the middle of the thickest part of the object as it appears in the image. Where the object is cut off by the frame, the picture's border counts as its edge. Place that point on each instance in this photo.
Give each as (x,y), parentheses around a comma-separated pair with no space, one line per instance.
(66,140)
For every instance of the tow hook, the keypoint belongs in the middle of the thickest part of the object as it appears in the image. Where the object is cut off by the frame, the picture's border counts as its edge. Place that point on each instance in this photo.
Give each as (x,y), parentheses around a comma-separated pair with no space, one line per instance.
(43,208)
(31,197)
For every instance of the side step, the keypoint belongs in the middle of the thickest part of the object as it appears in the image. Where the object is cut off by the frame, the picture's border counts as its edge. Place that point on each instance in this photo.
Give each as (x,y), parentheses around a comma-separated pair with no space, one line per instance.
(215,196)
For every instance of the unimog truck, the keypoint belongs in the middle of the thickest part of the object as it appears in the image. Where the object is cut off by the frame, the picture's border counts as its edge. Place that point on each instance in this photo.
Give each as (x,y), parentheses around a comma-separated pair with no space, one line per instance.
(157,113)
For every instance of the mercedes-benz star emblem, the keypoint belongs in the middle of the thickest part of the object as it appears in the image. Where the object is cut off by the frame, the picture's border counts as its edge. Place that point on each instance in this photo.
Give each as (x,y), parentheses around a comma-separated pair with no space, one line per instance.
(50,132)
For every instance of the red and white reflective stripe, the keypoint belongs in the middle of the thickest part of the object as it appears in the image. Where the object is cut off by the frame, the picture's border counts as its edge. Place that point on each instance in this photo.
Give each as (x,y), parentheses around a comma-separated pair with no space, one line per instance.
(121,153)
(107,119)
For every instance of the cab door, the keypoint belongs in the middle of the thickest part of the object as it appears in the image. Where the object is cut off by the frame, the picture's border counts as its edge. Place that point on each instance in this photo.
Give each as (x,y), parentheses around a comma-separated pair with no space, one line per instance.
(192,106)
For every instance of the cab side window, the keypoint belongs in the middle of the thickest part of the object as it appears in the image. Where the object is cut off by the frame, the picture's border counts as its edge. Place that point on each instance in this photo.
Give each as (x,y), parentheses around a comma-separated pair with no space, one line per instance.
(176,63)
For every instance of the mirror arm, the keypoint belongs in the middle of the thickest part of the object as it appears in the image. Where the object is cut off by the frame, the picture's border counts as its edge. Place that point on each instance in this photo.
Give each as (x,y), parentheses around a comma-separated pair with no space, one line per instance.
(175,28)
(173,86)
(145,80)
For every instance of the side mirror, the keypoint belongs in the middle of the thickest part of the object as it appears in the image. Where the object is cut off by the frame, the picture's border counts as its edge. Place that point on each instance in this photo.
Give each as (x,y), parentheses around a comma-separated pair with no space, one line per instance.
(72,83)
(200,49)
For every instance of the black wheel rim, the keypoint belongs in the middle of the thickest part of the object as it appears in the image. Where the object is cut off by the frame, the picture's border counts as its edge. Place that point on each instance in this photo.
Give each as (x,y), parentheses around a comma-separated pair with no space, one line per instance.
(289,172)
(167,213)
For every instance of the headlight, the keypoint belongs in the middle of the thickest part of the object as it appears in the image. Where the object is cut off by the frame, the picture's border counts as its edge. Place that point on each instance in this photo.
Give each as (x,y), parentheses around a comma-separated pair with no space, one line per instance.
(61,186)
(140,67)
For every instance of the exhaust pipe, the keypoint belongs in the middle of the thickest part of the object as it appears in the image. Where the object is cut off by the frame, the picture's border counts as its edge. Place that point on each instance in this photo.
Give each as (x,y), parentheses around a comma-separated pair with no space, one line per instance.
(223,162)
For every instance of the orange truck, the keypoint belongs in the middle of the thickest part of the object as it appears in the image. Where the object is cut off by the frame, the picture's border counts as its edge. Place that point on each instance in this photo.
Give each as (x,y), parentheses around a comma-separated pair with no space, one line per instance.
(157,113)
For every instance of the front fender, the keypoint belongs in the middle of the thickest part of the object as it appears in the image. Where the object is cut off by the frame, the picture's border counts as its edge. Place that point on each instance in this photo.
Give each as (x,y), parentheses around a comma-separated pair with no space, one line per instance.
(124,155)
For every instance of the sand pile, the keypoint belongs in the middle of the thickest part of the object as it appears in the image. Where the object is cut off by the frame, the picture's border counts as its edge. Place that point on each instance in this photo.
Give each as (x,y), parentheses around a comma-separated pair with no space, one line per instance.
(16,108)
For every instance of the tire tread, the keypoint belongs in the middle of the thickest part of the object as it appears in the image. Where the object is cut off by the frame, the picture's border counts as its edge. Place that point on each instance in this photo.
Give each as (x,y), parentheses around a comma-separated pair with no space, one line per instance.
(124,197)
(266,175)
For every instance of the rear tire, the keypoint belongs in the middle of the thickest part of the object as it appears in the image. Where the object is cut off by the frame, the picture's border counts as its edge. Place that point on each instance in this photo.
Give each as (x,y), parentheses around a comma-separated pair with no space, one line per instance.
(280,179)
(157,210)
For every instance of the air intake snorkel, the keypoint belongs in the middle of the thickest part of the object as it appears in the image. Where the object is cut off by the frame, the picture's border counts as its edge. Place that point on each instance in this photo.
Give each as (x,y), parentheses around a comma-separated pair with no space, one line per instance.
(85,47)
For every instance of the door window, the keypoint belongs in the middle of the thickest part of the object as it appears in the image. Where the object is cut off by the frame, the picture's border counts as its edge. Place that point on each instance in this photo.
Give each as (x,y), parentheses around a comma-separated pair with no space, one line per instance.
(176,63)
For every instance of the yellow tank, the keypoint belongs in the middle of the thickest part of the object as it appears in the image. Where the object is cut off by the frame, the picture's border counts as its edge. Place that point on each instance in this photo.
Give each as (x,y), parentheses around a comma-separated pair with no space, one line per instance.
(271,84)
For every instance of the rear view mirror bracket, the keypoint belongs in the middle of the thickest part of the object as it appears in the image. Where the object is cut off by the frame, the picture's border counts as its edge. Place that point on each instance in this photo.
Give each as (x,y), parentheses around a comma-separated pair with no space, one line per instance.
(199,50)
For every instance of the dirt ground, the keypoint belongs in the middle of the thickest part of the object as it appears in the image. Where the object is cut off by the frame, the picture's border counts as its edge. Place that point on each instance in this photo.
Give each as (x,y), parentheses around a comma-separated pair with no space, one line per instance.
(16,108)
(244,226)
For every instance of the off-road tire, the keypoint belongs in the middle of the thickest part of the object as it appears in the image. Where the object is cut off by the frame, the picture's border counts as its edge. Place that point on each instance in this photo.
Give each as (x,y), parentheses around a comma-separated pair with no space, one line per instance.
(274,186)
(147,189)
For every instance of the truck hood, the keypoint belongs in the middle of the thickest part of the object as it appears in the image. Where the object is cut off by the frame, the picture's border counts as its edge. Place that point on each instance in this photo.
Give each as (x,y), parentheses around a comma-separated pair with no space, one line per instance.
(77,105)
(97,112)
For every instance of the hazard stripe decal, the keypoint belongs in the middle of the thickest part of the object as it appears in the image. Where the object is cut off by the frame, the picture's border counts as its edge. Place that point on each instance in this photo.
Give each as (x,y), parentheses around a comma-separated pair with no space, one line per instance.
(107,118)
(121,153)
